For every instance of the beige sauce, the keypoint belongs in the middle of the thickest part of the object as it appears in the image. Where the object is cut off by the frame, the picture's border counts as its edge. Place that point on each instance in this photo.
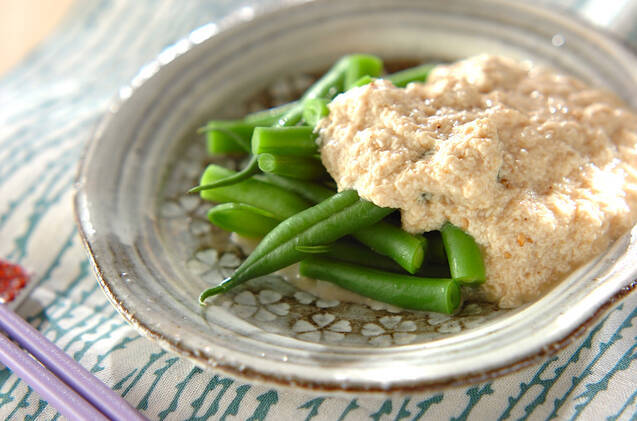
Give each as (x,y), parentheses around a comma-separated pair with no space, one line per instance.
(538,167)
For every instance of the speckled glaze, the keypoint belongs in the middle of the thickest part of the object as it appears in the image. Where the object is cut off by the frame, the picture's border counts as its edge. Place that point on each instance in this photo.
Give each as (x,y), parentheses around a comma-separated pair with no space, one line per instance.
(153,250)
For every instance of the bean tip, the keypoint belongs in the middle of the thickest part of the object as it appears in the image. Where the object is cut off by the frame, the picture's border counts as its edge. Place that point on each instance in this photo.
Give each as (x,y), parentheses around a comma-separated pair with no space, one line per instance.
(211,292)
(195,189)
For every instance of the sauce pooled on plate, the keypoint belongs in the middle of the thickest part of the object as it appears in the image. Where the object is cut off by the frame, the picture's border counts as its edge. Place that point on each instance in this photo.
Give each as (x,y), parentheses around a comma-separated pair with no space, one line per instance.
(538,167)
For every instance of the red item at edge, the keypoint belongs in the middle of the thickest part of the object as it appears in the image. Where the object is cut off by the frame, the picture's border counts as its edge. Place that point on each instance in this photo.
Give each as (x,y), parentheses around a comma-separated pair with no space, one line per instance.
(12,279)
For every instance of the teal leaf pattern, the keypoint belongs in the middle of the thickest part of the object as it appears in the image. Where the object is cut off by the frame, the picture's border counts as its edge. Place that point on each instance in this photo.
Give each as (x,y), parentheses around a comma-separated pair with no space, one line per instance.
(233,408)
(313,405)
(180,389)
(385,409)
(266,401)
(424,405)
(351,406)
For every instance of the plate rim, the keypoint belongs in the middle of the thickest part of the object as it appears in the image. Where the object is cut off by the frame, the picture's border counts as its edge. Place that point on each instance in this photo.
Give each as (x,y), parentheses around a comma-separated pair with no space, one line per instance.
(176,50)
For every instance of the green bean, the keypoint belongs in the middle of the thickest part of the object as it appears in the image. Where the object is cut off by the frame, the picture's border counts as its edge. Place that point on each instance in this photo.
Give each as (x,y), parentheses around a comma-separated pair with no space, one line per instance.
(250,221)
(330,84)
(355,253)
(413,74)
(233,136)
(270,116)
(324,223)
(319,249)
(292,166)
(271,198)
(362,81)
(250,169)
(435,248)
(292,117)
(351,252)
(296,141)
(411,292)
(361,65)
(308,190)
(333,81)
(406,249)
(225,137)
(465,259)
(315,109)
(245,220)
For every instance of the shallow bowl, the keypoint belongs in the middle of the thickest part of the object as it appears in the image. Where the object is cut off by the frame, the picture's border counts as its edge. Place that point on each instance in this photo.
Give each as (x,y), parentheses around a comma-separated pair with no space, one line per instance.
(153,250)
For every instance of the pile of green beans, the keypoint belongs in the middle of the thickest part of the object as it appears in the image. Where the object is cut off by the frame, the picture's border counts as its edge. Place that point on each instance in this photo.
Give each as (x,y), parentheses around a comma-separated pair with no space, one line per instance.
(284,197)
(324,223)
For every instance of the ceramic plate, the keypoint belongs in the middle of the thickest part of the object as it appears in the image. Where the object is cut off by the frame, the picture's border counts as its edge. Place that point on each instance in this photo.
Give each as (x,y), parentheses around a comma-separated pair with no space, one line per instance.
(153,250)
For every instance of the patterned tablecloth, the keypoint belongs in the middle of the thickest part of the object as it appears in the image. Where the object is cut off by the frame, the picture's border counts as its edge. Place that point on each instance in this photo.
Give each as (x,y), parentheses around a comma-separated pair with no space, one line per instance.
(48,106)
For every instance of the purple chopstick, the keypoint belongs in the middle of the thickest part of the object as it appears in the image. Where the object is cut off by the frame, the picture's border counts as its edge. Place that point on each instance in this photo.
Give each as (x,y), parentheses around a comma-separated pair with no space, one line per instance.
(56,392)
(67,369)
